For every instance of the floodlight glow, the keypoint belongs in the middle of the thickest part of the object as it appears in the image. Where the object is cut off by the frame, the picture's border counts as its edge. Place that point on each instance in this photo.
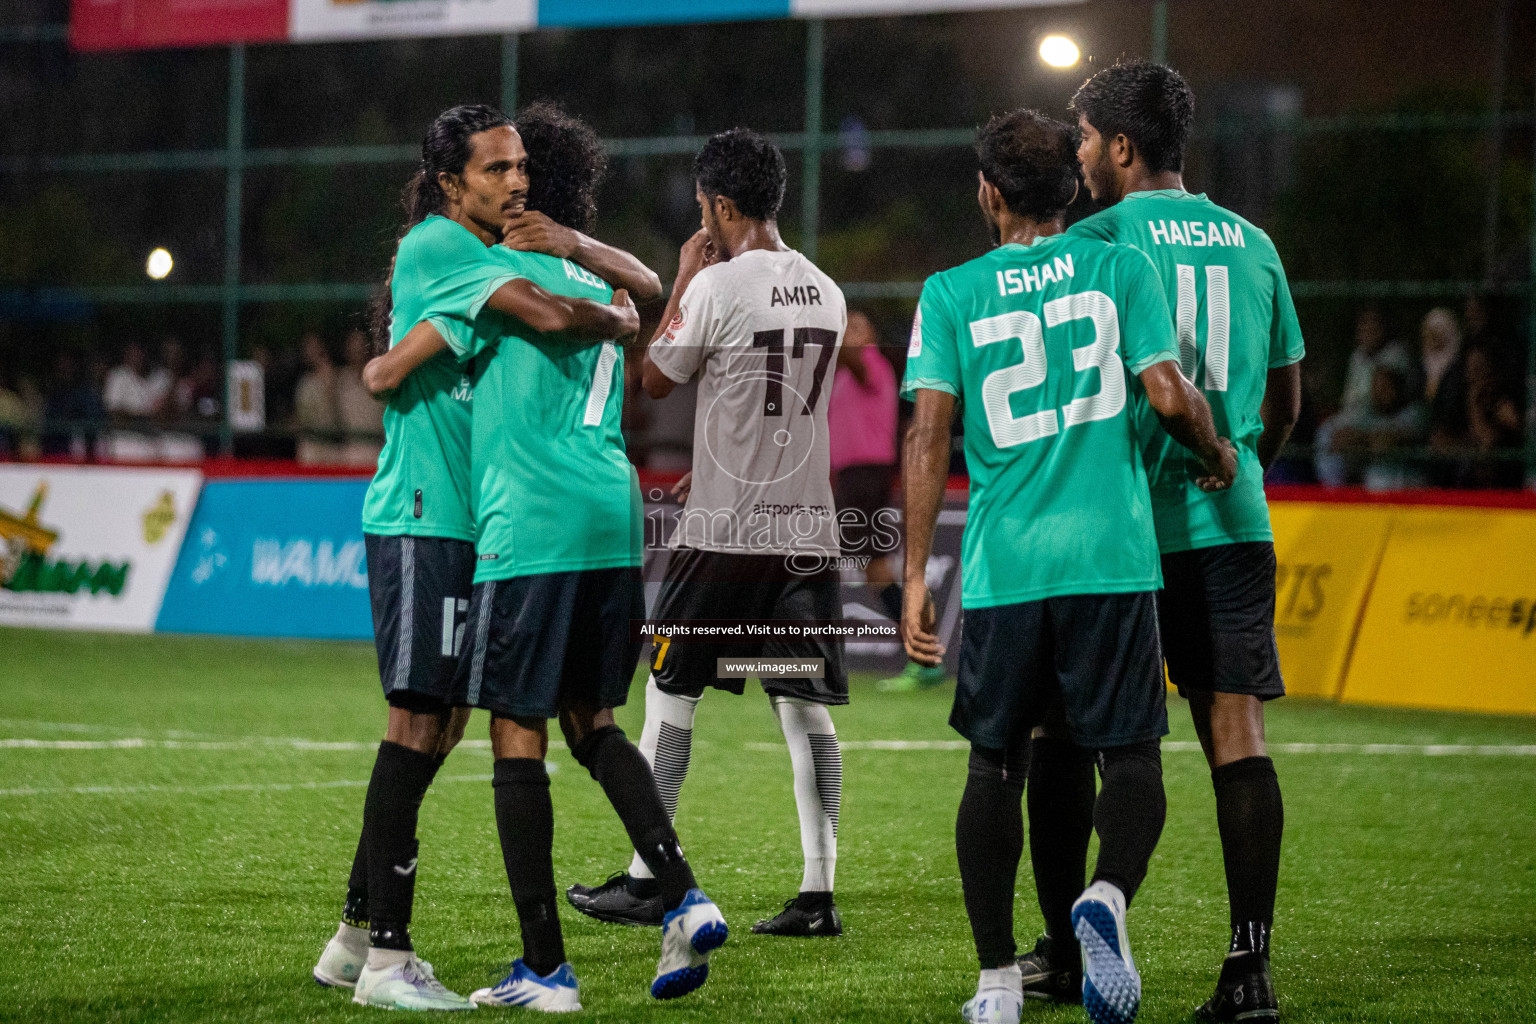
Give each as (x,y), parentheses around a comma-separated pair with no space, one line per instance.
(159,264)
(1058,51)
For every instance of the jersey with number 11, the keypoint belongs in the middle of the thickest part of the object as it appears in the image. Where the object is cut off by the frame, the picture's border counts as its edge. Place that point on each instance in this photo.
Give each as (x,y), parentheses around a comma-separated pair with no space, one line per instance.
(1042,344)
(1235,322)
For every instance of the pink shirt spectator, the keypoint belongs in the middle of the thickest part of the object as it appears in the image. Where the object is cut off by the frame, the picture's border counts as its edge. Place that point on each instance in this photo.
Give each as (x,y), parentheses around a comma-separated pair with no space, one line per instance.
(862,420)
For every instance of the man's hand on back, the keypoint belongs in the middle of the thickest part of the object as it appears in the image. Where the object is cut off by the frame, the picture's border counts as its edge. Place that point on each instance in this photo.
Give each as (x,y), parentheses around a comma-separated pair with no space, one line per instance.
(531,231)
(626,306)
(1220,472)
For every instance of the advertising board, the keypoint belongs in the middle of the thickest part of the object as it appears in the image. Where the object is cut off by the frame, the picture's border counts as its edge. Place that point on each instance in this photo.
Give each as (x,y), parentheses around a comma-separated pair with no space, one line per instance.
(86,547)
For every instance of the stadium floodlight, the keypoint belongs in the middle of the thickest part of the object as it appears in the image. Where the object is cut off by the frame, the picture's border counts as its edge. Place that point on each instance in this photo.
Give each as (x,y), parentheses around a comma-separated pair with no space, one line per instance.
(1059,51)
(159,264)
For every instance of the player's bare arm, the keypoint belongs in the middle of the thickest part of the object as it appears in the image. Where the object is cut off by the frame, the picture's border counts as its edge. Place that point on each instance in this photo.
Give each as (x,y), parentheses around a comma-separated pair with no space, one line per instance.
(582,319)
(925,470)
(545,311)
(384,374)
(1186,415)
(532,231)
(697,253)
(1280,411)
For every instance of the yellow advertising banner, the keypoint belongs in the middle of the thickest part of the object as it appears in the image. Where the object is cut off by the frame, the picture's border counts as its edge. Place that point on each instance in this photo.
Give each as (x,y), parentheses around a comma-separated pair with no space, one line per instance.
(1452,617)
(1327,555)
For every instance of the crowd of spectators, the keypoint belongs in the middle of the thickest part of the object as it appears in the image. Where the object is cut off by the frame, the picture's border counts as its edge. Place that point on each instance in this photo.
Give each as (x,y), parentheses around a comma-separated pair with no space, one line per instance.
(1444,412)
(1447,415)
(169,406)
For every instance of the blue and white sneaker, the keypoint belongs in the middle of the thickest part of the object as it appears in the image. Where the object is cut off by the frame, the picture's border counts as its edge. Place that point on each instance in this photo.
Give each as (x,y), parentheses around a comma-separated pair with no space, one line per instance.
(554,994)
(1111,986)
(999,998)
(688,935)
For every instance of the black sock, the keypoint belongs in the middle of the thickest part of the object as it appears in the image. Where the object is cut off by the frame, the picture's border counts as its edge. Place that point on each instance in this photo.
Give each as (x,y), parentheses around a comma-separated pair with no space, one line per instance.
(626,778)
(400,779)
(989,840)
(890,600)
(1060,799)
(525,820)
(1251,817)
(1129,814)
(355,910)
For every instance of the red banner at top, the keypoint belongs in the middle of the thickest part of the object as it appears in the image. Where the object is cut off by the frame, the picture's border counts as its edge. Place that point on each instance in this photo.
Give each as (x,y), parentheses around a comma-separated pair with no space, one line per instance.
(144,24)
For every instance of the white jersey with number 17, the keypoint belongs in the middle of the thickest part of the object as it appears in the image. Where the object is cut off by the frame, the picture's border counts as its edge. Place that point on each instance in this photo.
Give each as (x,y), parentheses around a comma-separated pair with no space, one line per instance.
(761,331)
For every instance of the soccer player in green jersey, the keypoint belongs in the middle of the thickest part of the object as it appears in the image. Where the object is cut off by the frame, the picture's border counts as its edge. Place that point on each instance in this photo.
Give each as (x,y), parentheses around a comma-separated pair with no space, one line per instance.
(1053,346)
(417,523)
(1240,343)
(557,583)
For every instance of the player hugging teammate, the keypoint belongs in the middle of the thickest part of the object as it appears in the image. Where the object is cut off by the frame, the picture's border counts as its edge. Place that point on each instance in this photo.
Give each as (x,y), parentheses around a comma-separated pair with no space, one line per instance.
(549,624)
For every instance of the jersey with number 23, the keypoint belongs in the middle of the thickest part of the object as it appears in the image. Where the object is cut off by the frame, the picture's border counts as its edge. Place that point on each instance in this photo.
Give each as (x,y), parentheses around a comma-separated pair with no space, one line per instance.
(1042,345)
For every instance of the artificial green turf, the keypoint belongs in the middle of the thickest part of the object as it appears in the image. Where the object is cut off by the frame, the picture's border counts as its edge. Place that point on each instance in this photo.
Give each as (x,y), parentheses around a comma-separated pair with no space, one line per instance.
(1408,890)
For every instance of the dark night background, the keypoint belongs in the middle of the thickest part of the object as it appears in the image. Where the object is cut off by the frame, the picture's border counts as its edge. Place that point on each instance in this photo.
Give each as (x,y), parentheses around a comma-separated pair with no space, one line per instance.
(1357,204)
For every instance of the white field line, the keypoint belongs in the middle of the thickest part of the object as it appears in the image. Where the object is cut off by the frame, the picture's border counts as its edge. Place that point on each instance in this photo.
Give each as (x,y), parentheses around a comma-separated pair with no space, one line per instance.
(177,740)
(235,787)
(1188,746)
(242,743)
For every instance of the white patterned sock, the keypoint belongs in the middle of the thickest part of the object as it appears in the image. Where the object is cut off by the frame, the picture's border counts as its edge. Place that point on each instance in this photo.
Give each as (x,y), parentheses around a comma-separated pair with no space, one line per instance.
(818,765)
(667,744)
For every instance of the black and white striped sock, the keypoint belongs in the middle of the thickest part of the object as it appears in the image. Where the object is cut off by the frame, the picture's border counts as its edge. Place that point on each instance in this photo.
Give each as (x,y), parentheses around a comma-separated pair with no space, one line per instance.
(818,767)
(667,743)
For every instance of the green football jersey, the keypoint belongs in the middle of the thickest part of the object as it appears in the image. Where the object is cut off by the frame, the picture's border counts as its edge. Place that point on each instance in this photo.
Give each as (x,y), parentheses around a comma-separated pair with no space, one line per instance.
(1042,345)
(421,487)
(1235,322)
(550,483)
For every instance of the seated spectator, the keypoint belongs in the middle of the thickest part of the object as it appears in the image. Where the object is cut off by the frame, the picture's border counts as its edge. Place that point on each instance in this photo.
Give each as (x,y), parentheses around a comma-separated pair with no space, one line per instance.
(314,402)
(1493,422)
(1370,446)
(1477,331)
(72,410)
(135,396)
(1445,394)
(1372,352)
(17,427)
(176,445)
(361,415)
(198,400)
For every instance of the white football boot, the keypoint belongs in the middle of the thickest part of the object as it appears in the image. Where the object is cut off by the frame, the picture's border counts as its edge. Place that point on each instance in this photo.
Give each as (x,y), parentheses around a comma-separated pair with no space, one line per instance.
(556,993)
(1111,985)
(999,997)
(688,935)
(343,958)
(408,985)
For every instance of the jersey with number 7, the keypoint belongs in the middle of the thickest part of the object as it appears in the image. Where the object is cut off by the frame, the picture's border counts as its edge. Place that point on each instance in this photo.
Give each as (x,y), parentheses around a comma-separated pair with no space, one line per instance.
(1042,344)
(1235,322)
(550,484)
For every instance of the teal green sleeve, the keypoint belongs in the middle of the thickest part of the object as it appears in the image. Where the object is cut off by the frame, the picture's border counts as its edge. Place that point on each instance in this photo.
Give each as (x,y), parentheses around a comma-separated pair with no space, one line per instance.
(453,272)
(463,340)
(1100,226)
(1146,326)
(933,358)
(1285,345)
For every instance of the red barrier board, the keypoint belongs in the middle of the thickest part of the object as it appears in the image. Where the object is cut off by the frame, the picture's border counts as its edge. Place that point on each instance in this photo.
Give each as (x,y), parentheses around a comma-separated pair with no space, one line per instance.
(144,24)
